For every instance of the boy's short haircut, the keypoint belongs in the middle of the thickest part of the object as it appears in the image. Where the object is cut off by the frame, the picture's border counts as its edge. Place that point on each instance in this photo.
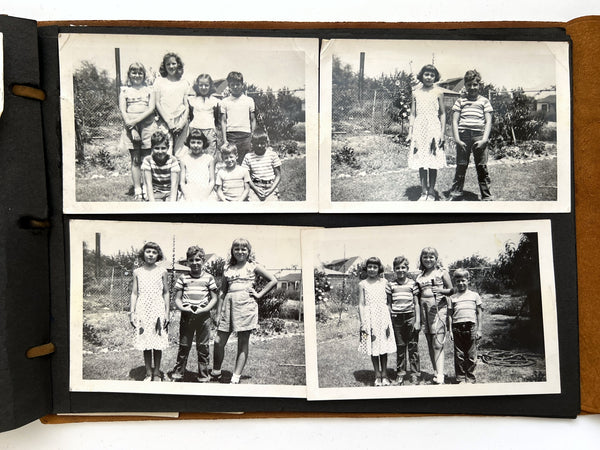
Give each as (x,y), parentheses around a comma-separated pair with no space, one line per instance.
(229,148)
(429,68)
(461,273)
(260,138)
(199,135)
(472,75)
(193,251)
(400,260)
(158,137)
(235,76)
(375,261)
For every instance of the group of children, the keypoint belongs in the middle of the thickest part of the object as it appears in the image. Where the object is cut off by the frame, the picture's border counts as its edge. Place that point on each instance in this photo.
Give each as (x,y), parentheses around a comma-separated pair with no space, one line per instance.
(392,313)
(174,154)
(196,295)
(471,127)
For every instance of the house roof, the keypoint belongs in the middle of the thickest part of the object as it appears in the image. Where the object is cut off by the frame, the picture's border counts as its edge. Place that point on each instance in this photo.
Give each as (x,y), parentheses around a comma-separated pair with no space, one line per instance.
(333,273)
(548,99)
(346,263)
(295,276)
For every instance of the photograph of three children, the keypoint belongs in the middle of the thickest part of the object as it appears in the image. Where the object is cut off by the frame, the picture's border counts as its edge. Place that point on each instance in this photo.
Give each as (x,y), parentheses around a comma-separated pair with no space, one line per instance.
(446,310)
(192,124)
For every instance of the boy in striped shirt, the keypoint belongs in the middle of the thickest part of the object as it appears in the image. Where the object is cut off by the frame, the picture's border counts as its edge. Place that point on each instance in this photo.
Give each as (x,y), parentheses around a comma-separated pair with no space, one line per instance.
(232,181)
(406,321)
(265,171)
(471,126)
(465,314)
(161,170)
(195,296)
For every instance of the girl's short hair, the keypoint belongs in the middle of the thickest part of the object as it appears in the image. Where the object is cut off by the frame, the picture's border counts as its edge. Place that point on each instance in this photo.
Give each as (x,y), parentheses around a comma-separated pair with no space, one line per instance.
(235,76)
(472,75)
(429,68)
(400,260)
(374,260)
(228,148)
(197,134)
(163,65)
(139,66)
(193,251)
(240,242)
(204,76)
(461,272)
(158,137)
(154,246)
(429,250)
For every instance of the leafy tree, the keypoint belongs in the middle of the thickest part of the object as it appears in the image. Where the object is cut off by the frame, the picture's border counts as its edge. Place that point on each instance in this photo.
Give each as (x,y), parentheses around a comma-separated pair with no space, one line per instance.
(482,273)
(95,102)
(345,89)
(216,268)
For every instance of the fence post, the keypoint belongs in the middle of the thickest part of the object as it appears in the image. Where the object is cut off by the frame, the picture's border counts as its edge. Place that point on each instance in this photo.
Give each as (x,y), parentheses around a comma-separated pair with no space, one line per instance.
(373,111)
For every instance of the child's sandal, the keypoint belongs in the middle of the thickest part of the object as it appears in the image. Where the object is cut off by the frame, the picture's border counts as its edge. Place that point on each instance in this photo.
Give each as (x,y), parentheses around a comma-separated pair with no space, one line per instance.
(378,382)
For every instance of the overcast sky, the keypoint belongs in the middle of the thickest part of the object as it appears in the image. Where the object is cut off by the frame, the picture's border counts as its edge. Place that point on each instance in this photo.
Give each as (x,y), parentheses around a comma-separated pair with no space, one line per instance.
(277,63)
(530,65)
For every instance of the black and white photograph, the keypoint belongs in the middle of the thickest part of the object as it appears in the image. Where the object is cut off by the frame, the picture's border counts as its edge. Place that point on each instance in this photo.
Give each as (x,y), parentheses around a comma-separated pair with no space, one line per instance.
(445,126)
(187,124)
(430,311)
(186,309)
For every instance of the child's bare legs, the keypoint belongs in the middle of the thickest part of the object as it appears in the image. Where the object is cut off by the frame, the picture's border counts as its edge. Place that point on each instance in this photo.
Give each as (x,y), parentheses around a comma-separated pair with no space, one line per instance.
(242,354)
(430,338)
(375,361)
(432,180)
(157,360)
(424,184)
(435,344)
(383,362)
(219,349)
(137,155)
(148,363)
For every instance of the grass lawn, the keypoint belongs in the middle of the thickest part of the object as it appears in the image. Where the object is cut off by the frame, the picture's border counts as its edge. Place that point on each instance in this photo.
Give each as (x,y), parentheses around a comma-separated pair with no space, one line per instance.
(341,365)
(96,184)
(108,353)
(383,176)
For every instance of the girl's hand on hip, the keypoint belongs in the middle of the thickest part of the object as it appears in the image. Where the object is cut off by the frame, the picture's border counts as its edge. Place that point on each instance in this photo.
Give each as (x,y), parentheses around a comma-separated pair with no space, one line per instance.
(253,293)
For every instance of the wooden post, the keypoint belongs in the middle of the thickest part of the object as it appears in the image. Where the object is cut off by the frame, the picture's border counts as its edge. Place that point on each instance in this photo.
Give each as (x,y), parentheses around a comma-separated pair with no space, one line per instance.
(118,70)
(97,256)
(361,77)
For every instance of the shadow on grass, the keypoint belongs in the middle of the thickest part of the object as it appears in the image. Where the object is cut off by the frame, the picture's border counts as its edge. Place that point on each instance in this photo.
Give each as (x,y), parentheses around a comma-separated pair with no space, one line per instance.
(139,373)
(467,196)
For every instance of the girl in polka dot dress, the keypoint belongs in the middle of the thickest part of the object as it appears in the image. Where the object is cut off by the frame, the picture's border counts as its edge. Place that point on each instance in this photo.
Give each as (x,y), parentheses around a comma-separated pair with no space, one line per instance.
(149,312)
(376,332)
(426,132)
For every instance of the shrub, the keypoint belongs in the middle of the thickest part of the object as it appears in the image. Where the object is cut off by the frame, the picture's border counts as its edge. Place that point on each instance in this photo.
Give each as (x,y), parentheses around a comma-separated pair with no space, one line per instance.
(345,156)
(104,159)
(287,148)
(298,132)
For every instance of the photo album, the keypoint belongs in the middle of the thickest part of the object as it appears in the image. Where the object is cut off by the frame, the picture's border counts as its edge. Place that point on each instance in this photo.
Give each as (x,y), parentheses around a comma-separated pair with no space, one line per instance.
(295,219)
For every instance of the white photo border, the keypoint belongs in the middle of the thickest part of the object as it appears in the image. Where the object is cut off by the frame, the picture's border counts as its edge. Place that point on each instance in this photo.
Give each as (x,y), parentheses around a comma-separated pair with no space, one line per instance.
(559,49)
(70,41)
(80,228)
(310,245)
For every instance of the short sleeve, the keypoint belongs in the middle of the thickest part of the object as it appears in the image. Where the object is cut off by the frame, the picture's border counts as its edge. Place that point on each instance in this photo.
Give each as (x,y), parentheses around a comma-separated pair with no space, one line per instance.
(487,106)
(478,301)
(457,106)
(388,288)
(180,283)
(175,168)
(246,175)
(219,179)
(146,163)
(212,284)
(246,162)
(251,104)
(275,161)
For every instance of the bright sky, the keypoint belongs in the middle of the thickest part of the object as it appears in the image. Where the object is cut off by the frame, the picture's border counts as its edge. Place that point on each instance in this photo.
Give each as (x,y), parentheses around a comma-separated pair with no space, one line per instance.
(530,65)
(388,244)
(274,247)
(276,64)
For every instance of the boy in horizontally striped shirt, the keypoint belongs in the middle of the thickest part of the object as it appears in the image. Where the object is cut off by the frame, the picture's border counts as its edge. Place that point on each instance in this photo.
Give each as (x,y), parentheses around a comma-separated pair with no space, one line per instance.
(265,171)
(471,126)
(465,317)
(406,321)
(195,296)
(232,181)
(160,170)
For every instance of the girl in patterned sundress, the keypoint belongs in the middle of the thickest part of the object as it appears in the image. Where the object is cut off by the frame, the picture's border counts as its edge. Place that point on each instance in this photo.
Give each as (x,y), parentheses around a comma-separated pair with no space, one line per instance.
(426,132)
(149,312)
(434,285)
(376,332)
(237,309)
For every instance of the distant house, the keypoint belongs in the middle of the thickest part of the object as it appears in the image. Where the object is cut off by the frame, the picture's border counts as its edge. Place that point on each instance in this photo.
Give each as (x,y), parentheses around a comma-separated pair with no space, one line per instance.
(343,265)
(547,105)
(452,84)
(290,282)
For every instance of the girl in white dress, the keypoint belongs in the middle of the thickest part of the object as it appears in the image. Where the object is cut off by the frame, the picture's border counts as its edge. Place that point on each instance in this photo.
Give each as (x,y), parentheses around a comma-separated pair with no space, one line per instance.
(426,132)
(197,169)
(171,99)
(149,311)
(376,332)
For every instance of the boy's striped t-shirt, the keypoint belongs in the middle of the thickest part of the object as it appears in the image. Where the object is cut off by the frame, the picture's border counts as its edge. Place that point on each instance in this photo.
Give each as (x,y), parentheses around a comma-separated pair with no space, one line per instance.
(233,182)
(262,166)
(161,175)
(402,295)
(464,306)
(472,112)
(196,291)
